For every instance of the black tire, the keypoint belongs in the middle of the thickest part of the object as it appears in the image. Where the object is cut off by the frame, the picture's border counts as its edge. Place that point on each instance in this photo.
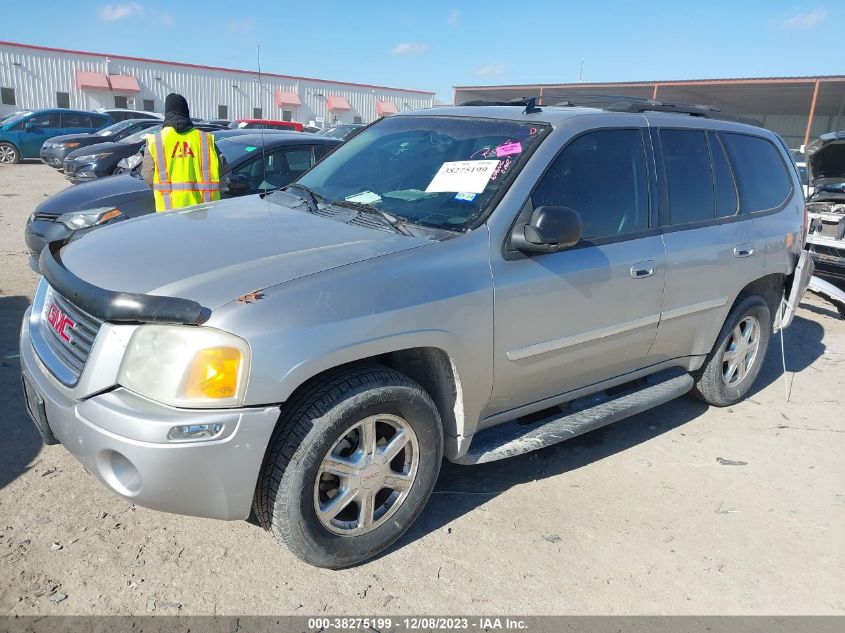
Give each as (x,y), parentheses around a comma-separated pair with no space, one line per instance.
(311,424)
(9,154)
(710,384)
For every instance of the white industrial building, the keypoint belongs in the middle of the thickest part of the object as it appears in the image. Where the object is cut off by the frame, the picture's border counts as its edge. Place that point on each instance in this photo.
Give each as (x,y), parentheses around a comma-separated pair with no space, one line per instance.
(41,77)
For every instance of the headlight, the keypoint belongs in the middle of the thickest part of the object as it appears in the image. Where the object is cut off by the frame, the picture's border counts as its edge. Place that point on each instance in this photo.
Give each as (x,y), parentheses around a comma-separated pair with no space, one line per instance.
(186,366)
(66,145)
(91,158)
(89,217)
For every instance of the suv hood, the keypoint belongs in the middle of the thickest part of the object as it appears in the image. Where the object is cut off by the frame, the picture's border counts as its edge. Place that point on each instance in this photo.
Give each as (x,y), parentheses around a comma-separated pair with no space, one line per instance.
(217,252)
(826,159)
(97,193)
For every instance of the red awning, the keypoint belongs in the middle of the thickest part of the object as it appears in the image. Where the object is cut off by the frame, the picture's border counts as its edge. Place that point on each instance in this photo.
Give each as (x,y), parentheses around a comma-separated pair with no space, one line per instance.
(287,99)
(124,83)
(91,81)
(386,108)
(337,104)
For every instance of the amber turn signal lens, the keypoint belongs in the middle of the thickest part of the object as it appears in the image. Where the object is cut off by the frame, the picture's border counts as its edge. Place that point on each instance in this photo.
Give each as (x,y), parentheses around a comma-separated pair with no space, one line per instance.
(214,373)
(109,215)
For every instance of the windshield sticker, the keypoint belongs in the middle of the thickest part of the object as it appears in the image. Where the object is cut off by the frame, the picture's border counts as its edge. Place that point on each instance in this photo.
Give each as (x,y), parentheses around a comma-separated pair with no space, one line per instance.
(470,176)
(408,195)
(250,148)
(365,197)
(509,148)
(463,196)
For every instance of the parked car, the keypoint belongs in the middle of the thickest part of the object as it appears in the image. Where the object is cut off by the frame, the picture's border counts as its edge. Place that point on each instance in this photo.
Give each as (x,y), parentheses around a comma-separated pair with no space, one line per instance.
(54,151)
(313,353)
(341,131)
(826,204)
(122,114)
(97,161)
(22,136)
(77,210)
(266,124)
(220,122)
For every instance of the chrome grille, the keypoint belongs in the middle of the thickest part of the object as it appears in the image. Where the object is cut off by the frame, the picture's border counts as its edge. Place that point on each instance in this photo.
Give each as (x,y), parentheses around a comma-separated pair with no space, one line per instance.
(72,353)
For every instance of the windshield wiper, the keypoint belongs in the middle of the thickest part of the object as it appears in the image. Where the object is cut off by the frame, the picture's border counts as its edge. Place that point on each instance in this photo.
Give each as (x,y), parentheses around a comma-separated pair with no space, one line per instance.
(312,199)
(396,222)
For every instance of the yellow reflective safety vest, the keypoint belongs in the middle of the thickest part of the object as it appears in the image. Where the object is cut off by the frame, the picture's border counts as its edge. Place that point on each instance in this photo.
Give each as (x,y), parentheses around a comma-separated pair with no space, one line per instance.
(187,169)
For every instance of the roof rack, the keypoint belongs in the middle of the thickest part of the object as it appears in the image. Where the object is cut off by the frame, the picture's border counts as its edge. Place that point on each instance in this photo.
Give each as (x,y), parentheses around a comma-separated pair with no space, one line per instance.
(619,103)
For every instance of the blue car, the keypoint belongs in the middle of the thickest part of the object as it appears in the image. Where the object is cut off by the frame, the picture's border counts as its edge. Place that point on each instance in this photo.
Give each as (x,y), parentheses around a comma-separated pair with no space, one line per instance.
(21,136)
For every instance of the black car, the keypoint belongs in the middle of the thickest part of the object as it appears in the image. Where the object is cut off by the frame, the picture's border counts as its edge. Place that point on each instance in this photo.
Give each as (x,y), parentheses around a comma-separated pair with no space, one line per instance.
(77,210)
(55,150)
(96,161)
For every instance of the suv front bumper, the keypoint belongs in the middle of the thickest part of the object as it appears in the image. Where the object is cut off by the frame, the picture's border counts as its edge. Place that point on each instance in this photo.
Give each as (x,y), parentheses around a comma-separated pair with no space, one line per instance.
(121,438)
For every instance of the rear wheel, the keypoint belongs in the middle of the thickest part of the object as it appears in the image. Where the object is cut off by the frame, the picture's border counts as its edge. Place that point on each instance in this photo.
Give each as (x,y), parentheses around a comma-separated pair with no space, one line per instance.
(350,466)
(9,154)
(737,357)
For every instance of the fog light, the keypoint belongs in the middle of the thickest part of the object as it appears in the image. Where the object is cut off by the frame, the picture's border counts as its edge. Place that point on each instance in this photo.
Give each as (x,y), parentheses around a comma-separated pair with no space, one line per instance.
(194,432)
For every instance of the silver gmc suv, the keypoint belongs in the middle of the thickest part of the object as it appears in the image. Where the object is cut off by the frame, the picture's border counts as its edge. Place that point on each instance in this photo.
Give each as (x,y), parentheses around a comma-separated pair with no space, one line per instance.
(470,282)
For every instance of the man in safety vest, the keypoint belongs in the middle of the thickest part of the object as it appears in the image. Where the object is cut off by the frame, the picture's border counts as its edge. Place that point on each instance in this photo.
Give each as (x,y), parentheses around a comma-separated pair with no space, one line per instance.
(181,164)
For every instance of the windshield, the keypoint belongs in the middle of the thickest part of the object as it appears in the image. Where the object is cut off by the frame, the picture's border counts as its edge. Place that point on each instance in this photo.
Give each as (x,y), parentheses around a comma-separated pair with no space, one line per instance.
(140,135)
(338,132)
(16,117)
(114,128)
(436,171)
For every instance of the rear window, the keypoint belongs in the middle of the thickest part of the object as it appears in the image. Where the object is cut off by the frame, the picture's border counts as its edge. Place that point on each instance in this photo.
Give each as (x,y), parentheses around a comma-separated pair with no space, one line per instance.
(760,172)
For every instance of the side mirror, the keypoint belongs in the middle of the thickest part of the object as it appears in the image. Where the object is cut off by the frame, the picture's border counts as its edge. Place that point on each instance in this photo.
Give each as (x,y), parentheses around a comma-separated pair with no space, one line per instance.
(551,229)
(238,185)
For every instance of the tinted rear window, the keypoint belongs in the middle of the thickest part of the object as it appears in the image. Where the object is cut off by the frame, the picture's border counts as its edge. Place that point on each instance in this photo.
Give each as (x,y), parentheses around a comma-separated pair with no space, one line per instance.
(760,172)
(689,179)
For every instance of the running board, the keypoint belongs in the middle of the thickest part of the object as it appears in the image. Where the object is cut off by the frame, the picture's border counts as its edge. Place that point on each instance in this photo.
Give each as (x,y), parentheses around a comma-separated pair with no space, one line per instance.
(581,416)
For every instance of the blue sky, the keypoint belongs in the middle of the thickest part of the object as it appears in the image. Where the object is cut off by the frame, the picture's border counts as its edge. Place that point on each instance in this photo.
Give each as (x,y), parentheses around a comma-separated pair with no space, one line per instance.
(434,45)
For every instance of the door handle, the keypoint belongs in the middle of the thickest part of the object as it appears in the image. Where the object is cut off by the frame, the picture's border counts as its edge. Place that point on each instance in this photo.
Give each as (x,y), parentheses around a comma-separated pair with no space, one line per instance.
(746,249)
(641,270)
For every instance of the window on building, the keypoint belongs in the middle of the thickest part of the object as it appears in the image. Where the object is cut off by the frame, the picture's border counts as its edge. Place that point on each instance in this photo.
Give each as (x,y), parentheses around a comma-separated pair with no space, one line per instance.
(689,179)
(62,100)
(121,101)
(727,201)
(602,176)
(222,112)
(287,115)
(7,96)
(256,113)
(150,105)
(760,172)
(357,119)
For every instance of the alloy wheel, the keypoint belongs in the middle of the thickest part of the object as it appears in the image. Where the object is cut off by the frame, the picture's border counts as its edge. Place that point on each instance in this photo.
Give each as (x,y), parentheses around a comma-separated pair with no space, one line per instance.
(366,475)
(741,351)
(7,154)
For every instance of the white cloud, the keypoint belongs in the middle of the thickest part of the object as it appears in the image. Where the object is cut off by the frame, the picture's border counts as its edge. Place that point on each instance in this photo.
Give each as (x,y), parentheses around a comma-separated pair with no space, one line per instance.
(244,25)
(490,70)
(113,12)
(454,19)
(410,48)
(804,21)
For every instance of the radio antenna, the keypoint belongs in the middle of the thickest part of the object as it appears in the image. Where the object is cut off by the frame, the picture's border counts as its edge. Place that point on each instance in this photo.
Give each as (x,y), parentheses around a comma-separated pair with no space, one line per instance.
(264,183)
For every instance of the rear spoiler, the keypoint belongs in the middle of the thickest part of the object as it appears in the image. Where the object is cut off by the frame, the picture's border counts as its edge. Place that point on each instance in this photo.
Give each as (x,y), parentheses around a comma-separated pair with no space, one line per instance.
(112,306)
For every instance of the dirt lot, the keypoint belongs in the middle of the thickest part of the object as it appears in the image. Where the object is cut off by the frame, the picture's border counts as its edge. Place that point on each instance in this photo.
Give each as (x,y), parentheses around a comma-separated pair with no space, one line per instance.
(646,516)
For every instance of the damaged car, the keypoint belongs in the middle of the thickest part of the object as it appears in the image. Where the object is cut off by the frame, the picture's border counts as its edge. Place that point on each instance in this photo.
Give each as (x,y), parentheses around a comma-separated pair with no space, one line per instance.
(826,204)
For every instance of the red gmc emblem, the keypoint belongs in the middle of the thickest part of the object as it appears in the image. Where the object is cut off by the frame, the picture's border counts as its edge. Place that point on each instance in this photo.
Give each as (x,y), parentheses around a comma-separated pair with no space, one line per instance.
(60,322)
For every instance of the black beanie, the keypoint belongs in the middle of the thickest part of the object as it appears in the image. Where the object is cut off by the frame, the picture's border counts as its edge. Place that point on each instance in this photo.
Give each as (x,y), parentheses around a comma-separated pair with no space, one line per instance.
(176,103)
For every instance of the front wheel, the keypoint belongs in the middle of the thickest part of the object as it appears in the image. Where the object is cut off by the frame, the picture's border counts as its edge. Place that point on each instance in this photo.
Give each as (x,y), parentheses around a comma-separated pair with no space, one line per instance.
(9,154)
(350,466)
(737,357)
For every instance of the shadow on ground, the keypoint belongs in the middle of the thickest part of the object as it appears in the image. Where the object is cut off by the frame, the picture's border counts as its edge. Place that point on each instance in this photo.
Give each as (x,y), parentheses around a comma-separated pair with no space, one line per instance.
(21,441)
(461,489)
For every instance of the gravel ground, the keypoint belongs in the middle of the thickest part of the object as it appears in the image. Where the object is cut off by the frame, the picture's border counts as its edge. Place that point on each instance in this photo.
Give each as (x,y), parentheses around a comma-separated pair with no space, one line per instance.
(682,510)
